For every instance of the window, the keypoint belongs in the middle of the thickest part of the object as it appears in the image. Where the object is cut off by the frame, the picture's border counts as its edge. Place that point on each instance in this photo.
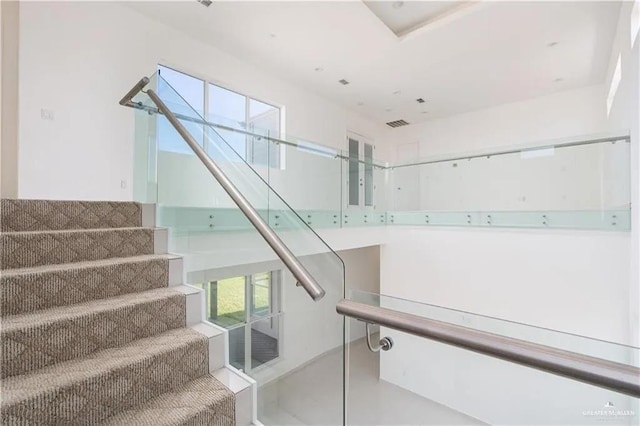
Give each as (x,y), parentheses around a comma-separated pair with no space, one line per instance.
(249,307)
(615,83)
(192,90)
(227,108)
(635,22)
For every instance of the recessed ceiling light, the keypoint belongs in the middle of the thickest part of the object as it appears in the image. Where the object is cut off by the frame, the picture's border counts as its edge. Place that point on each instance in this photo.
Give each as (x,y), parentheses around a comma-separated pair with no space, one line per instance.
(343,82)
(420,100)
(397,4)
(553,43)
(318,69)
(558,80)
(397,92)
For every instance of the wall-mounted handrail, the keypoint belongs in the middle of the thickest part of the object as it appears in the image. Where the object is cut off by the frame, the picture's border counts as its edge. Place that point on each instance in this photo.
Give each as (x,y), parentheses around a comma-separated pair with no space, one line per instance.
(610,375)
(306,280)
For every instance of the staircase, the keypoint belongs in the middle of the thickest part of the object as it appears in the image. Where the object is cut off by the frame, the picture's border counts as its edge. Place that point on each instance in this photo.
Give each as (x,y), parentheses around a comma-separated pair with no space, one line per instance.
(95,325)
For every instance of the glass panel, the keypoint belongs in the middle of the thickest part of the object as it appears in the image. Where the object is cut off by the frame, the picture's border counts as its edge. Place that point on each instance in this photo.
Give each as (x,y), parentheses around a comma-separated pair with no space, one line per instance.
(354,172)
(232,106)
(255,345)
(145,157)
(310,178)
(226,301)
(422,381)
(192,90)
(265,341)
(581,186)
(237,348)
(368,174)
(261,294)
(264,119)
(194,206)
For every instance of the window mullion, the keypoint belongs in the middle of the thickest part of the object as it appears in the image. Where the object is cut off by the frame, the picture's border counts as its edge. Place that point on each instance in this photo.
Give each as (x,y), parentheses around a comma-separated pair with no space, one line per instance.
(247,327)
(205,113)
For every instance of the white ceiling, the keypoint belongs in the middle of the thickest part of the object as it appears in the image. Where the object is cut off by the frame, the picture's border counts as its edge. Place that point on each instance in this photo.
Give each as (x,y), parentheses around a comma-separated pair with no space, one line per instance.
(404,17)
(483,55)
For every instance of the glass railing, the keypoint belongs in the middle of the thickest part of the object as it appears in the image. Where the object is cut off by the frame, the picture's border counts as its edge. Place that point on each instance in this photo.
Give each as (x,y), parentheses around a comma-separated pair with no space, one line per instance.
(578,184)
(420,381)
(582,184)
(259,313)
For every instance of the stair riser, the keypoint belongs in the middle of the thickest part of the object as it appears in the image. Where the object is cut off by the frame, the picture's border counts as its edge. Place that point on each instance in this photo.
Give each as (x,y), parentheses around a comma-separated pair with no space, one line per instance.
(23,250)
(93,400)
(29,347)
(44,215)
(28,292)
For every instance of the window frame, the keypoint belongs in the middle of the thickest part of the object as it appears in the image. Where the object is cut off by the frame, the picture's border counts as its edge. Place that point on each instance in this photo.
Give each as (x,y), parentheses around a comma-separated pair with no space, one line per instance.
(247,98)
(274,312)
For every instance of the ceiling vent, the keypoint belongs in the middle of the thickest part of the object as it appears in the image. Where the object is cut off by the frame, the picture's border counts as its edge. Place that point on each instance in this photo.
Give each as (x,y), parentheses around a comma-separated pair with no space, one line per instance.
(397,123)
(420,100)
(343,82)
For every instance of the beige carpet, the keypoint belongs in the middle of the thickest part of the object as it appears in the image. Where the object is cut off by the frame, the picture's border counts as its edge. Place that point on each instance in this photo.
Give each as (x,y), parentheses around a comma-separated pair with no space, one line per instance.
(91,333)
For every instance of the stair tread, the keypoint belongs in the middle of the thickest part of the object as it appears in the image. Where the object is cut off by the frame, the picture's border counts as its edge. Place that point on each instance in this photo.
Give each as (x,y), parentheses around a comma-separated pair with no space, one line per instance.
(85,264)
(37,248)
(23,214)
(92,307)
(61,375)
(73,311)
(50,336)
(93,329)
(35,288)
(205,397)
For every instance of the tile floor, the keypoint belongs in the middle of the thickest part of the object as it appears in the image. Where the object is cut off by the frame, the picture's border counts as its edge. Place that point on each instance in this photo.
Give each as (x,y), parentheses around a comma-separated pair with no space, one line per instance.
(313,396)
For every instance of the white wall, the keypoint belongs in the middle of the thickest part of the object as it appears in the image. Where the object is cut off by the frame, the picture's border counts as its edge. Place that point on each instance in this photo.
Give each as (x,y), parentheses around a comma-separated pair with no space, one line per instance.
(576,282)
(625,113)
(561,115)
(78,58)
(10,11)
(309,329)
(576,178)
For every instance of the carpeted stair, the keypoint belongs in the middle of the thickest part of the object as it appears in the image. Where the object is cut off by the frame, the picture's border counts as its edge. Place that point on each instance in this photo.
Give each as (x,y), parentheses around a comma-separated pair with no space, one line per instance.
(92,332)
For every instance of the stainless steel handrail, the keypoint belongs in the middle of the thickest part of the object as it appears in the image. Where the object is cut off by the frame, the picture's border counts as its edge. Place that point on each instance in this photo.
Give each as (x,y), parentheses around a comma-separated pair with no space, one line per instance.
(126,99)
(304,278)
(611,138)
(610,375)
(272,139)
(425,161)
